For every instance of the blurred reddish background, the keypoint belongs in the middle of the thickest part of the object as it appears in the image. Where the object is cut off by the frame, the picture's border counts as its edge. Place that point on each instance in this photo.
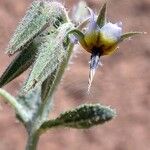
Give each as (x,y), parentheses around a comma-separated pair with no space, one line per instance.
(123,82)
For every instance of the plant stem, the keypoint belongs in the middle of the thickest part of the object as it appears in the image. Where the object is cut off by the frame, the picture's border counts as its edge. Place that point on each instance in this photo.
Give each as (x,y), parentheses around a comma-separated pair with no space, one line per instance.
(33,141)
(13,102)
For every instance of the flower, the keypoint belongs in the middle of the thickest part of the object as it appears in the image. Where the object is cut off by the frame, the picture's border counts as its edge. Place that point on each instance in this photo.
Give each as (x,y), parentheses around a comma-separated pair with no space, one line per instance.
(101,38)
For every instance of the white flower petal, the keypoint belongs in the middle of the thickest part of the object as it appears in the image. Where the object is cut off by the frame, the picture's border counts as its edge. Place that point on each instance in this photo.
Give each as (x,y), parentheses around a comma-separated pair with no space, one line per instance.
(119,24)
(112,31)
(92,21)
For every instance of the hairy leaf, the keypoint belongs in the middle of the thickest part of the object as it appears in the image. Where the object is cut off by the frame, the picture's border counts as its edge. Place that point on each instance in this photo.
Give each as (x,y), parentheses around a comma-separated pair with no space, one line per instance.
(51,54)
(21,63)
(84,116)
(41,14)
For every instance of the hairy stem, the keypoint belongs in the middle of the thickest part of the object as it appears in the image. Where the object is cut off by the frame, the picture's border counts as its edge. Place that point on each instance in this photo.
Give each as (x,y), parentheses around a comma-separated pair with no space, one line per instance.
(44,109)
(32,141)
(15,104)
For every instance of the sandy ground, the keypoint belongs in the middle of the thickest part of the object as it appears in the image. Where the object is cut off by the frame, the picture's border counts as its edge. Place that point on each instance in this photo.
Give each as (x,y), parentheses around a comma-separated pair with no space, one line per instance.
(123,82)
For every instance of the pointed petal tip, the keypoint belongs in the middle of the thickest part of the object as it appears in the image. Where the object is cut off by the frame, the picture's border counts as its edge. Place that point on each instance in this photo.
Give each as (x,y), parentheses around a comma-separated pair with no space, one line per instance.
(128,35)
(92,21)
(91,12)
(105,5)
(101,20)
